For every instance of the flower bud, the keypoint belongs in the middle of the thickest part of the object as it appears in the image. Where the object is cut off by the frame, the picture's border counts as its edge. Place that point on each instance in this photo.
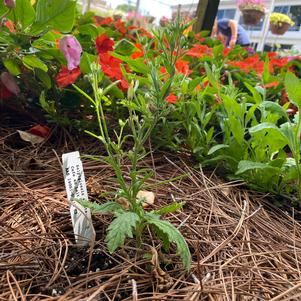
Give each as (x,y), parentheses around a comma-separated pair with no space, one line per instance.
(10,3)
(72,50)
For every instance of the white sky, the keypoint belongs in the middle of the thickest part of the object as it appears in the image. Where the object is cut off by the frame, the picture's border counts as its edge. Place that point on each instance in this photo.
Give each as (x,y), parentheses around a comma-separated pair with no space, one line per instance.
(156,8)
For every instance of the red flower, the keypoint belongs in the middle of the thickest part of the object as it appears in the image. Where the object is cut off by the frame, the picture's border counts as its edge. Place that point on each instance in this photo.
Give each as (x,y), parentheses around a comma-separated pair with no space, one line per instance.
(199,51)
(198,88)
(132,27)
(144,33)
(104,44)
(199,38)
(226,51)
(67,77)
(277,62)
(182,67)
(206,83)
(111,67)
(102,21)
(57,43)
(271,85)
(10,25)
(5,94)
(163,70)
(171,98)
(272,54)
(124,85)
(40,130)
(249,64)
(119,25)
(138,53)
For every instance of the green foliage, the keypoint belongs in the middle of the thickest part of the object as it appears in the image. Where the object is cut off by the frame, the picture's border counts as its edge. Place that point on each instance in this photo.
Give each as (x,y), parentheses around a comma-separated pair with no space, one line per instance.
(120,228)
(54,14)
(145,111)
(31,61)
(24,12)
(108,207)
(173,235)
(229,110)
(293,88)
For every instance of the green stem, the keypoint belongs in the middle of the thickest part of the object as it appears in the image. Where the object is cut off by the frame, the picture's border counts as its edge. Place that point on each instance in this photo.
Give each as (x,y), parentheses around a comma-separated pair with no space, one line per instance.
(4,15)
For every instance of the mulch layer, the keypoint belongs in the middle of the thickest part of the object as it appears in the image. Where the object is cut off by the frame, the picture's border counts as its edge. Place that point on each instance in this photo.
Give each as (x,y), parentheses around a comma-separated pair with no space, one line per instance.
(242,247)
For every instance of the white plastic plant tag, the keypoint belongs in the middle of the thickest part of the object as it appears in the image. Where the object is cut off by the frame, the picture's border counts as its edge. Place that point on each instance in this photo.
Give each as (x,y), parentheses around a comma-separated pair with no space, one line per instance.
(76,190)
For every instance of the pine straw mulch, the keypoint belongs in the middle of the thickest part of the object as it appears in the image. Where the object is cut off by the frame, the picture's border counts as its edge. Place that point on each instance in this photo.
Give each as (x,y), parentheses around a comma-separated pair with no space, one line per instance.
(242,247)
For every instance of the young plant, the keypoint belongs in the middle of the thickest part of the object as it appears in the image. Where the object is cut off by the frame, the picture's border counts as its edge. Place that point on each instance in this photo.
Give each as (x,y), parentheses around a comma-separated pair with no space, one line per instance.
(130,217)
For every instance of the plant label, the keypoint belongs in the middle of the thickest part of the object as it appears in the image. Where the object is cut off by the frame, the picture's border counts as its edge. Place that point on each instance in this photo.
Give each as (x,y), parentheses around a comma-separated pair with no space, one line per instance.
(76,190)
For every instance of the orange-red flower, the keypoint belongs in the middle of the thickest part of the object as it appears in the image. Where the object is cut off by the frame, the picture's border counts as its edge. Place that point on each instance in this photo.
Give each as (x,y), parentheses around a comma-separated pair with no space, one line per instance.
(199,51)
(226,51)
(119,25)
(104,44)
(57,43)
(277,62)
(272,54)
(163,70)
(171,98)
(198,88)
(271,85)
(102,21)
(199,38)
(67,77)
(144,33)
(10,25)
(182,67)
(249,64)
(111,67)
(138,53)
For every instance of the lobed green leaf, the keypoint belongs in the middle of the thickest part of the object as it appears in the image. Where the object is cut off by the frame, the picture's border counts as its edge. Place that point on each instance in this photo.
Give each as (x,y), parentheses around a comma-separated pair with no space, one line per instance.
(120,228)
(175,236)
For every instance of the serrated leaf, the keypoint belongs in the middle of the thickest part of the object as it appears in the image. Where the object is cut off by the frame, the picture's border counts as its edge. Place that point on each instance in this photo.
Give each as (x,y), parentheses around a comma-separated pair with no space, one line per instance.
(169,208)
(120,228)
(217,147)
(174,236)
(108,207)
(293,89)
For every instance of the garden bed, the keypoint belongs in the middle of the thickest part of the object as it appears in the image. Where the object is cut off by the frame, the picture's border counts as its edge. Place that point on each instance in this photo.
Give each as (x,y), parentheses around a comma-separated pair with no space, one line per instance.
(242,247)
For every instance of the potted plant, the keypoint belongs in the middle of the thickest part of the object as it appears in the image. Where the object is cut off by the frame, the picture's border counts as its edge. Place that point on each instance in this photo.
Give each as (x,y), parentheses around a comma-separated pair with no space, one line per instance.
(252,11)
(280,23)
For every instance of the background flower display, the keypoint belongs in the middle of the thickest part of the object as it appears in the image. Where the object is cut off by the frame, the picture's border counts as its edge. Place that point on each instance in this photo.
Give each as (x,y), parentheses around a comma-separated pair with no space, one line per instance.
(252,11)
(280,23)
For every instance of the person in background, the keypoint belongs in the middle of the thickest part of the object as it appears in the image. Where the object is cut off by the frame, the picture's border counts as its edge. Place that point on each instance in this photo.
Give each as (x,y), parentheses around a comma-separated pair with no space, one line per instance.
(230,33)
